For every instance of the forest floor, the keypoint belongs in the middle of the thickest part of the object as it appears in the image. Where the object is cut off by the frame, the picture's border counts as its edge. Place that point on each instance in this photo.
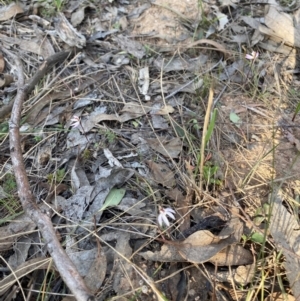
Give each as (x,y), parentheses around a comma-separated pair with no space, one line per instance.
(162,140)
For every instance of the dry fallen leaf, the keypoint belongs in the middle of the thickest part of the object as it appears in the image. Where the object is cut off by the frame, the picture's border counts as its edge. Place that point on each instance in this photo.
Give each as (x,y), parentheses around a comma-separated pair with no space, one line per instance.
(162,174)
(293,140)
(68,33)
(22,270)
(244,274)
(5,80)
(78,16)
(165,110)
(16,228)
(43,48)
(280,26)
(97,272)
(170,149)
(8,12)
(203,246)
(284,229)
(131,46)
(131,110)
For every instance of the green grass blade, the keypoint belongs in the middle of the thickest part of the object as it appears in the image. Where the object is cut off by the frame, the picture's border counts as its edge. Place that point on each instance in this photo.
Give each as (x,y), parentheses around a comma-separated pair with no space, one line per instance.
(211,126)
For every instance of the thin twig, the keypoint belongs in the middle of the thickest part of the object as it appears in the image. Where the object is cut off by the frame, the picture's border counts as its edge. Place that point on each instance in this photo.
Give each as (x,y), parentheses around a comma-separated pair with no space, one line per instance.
(63,263)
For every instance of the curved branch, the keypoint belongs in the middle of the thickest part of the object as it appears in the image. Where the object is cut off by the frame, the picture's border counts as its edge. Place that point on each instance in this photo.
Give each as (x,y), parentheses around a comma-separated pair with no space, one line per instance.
(63,263)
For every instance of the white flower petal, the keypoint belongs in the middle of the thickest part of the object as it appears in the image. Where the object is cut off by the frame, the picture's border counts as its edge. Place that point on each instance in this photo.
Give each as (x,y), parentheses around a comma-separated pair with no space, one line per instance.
(160,221)
(254,55)
(165,220)
(170,210)
(170,214)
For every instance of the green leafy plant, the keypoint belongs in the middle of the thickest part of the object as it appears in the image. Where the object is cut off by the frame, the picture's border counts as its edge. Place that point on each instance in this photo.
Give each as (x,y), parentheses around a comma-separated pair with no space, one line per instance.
(57,177)
(51,7)
(209,172)
(10,201)
(37,138)
(9,184)
(109,135)
(86,155)
(58,4)
(211,126)
(3,130)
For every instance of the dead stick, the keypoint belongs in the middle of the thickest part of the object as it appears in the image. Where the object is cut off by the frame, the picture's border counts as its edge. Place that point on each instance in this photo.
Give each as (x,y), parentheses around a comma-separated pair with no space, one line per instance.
(63,263)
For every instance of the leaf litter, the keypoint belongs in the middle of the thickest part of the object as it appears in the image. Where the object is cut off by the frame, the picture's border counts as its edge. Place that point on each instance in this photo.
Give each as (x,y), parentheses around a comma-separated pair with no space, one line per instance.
(138,85)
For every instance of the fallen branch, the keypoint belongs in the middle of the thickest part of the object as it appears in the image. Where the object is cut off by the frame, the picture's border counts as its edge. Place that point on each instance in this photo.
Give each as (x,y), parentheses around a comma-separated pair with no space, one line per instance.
(63,263)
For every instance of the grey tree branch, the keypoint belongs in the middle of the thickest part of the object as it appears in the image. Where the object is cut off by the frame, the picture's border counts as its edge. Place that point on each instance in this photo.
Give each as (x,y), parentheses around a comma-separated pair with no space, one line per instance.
(63,263)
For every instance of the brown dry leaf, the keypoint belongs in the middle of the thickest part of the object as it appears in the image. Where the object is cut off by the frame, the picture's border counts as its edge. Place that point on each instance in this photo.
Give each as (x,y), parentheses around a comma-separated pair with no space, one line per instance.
(77,204)
(219,47)
(131,46)
(179,64)
(78,176)
(177,291)
(203,250)
(21,248)
(170,149)
(123,268)
(35,116)
(22,270)
(168,253)
(78,16)
(293,140)
(280,25)
(8,12)
(68,33)
(244,274)
(42,48)
(132,110)
(2,63)
(95,118)
(161,18)
(97,272)
(203,246)
(84,260)
(284,229)
(16,228)
(161,173)
(165,110)
(232,256)
(44,154)
(5,80)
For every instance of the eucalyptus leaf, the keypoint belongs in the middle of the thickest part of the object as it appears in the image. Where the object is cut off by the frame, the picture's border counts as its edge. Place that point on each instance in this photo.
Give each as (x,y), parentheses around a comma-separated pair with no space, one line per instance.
(114,198)
(258,237)
(235,119)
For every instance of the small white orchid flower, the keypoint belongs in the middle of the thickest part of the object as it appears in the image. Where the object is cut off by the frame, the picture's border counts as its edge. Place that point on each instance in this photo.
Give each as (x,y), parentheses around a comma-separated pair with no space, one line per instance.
(75,121)
(163,216)
(254,55)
